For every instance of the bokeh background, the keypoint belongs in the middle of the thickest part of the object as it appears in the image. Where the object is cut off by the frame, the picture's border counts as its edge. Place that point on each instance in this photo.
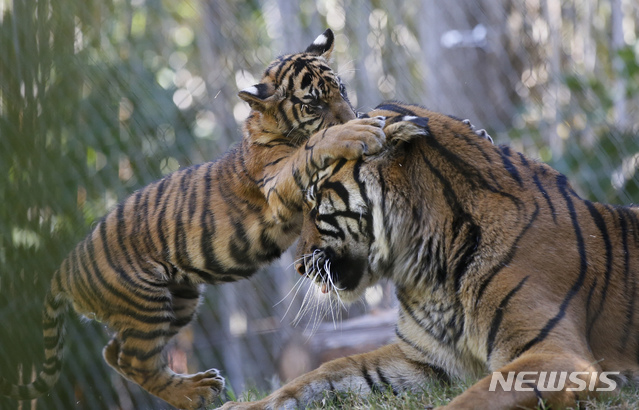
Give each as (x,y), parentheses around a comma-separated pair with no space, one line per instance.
(99,98)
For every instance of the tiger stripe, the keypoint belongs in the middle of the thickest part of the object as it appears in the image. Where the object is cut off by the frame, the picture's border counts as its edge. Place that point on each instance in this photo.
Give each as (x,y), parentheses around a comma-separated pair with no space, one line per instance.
(499,314)
(498,264)
(141,269)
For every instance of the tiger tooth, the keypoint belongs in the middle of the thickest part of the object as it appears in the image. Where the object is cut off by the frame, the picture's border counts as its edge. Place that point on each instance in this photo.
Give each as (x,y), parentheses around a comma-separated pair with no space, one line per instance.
(324,288)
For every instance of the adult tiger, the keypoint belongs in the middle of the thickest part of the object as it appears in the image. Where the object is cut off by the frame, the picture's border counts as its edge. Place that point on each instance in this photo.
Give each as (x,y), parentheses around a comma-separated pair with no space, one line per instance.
(499,267)
(141,268)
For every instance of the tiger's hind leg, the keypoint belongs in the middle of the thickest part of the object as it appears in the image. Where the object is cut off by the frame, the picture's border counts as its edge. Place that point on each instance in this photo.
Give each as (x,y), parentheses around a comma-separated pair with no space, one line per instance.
(136,352)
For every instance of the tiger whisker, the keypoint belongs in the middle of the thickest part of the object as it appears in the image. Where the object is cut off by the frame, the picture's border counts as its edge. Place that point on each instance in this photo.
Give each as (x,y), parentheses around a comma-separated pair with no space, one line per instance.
(316,316)
(323,306)
(292,264)
(316,307)
(337,299)
(316,262)
(305,303)
(298,285)
(288,134)
(295,286)
(331,307)
(330,277)
(328,281)
(363,109)
(340,73)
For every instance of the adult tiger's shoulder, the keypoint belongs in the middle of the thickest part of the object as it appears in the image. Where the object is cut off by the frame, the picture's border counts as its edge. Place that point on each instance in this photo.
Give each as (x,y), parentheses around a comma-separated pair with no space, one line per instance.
(499,267)
(141,269)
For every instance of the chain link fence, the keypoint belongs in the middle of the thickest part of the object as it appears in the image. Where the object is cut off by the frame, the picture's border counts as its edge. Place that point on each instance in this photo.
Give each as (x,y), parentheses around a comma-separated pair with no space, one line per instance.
(100,98)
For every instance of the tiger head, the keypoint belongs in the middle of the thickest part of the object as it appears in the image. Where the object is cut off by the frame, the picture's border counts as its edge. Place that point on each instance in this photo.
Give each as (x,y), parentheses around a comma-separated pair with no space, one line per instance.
(298,95)
(342,224)
(336,234)
(383,216)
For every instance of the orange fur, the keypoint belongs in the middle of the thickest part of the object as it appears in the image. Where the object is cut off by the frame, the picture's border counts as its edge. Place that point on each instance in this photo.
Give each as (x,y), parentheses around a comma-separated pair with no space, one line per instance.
(141,270)
(499,266)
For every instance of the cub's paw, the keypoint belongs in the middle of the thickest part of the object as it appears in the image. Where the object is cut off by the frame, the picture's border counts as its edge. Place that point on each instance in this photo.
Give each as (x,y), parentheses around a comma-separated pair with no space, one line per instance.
(211,378)
(199,390)
(352,140)
(405,128)
(366,135)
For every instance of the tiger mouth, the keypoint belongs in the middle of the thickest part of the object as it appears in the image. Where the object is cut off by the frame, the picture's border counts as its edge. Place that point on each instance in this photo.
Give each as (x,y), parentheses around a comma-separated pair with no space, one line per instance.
(329,271)
(317,267)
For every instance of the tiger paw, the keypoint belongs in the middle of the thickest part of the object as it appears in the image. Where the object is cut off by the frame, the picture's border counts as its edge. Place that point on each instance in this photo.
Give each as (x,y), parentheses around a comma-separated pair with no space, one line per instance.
(404,129)
(195,391)
(352,140)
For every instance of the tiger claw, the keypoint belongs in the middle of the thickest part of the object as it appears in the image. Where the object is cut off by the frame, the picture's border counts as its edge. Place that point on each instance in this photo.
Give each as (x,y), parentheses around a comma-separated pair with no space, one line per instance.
(481,133)
(468,123)
(381,120)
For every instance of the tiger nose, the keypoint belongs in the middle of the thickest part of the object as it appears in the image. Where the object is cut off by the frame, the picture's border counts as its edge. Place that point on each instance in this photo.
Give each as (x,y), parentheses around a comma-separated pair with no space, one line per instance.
(299,267)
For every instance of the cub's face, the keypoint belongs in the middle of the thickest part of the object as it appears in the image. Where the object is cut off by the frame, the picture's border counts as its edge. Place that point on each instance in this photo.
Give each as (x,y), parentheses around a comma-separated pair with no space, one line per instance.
(315,99)
(300,94)
(336,234)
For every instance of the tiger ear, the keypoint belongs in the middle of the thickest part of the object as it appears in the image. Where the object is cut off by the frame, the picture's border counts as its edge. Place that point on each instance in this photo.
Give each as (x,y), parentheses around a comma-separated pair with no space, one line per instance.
(323,45)
(259,96)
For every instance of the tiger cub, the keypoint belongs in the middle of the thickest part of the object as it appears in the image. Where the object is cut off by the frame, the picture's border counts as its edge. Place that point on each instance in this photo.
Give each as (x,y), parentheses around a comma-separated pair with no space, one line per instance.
(141,269)
(502,271)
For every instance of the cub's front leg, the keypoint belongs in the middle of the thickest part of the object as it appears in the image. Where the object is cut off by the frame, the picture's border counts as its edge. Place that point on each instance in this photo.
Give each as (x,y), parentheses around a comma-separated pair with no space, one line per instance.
(384,368)
(285,181)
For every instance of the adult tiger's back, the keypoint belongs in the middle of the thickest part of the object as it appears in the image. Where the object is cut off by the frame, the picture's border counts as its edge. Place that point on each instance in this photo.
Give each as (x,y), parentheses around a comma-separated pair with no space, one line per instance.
(141,269)
(499,267)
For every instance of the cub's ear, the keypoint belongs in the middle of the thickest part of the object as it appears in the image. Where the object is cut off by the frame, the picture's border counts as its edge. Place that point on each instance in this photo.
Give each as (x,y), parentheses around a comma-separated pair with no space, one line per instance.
(259,96)
(323,45)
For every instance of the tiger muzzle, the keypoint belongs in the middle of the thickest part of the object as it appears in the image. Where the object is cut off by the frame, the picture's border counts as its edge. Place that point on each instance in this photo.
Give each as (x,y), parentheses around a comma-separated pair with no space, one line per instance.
(313,263)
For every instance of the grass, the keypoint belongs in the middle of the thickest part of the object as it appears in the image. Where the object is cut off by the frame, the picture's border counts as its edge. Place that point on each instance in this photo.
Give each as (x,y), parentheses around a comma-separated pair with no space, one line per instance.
(438,394)
(432,396)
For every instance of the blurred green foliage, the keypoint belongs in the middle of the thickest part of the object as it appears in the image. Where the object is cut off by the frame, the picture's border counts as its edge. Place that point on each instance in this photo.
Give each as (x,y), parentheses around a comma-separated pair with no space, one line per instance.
(600,157)
(98,98)
(83,121)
